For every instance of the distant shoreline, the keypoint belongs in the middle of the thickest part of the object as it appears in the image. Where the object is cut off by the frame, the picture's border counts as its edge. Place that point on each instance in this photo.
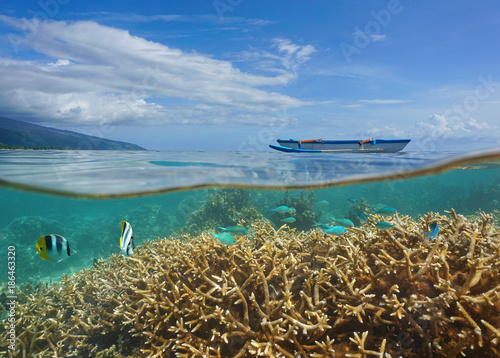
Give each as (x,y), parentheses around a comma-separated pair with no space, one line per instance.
(19,147)
(71,149)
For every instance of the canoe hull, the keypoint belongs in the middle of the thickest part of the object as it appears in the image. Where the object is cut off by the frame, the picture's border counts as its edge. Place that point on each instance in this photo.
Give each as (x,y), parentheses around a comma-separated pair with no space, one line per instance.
(339,146)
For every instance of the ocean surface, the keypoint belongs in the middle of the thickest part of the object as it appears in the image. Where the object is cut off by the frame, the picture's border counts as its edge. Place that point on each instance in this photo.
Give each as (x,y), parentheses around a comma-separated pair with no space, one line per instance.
(84,195)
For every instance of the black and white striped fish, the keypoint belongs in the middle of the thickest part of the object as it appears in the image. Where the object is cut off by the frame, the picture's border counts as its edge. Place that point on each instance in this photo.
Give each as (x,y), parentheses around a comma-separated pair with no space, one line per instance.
(53,247)
(126,240)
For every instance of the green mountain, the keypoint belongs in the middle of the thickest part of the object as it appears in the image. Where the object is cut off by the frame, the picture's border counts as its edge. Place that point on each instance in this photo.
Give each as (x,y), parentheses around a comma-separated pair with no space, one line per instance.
(17,134)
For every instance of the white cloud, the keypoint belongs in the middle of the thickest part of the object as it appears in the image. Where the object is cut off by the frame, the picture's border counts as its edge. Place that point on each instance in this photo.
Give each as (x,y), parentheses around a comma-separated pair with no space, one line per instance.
(103,73)
(376,38)
(435,131)
(59,63)
(293,55)
(210,19)
(383,101)
(373,37)
(438,127)
(387,132)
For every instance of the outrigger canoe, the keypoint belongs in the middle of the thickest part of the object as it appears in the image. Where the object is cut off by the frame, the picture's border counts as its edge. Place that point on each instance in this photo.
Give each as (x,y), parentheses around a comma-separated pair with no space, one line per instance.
(371,145)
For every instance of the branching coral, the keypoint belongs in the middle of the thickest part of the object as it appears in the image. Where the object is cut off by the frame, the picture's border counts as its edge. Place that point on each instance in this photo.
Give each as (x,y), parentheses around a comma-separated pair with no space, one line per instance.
(305,212)
(281,293)
(223,207)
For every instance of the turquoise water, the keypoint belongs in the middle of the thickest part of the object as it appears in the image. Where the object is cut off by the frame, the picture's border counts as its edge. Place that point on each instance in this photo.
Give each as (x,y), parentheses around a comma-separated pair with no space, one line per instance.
(83,196)
(92,226)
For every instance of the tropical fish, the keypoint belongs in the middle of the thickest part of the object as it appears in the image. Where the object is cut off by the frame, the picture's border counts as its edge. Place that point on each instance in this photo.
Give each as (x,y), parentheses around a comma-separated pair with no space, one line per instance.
(289,220)
(292,210)
(235,229)
(434,231)
(321,226)
(322,203)
(352,201)
(127,239)
(281,209)
(387,211)
(4,315)
(362,217)
(343,222)
(335,230)
(383,225)
(53,247)
(225,238)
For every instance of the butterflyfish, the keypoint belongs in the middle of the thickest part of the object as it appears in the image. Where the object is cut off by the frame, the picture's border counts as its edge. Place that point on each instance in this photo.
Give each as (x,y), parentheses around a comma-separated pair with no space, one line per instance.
(127,239)
(53,247)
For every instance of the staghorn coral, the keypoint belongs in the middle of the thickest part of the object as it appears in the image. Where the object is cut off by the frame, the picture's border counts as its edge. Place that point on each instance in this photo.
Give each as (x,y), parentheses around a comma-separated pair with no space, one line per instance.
(281,293)
(305,211)
(360,207)
(224,207)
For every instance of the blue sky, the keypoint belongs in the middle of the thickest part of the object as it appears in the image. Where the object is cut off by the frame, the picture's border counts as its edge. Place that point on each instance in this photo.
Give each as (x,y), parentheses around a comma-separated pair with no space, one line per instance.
(237,74)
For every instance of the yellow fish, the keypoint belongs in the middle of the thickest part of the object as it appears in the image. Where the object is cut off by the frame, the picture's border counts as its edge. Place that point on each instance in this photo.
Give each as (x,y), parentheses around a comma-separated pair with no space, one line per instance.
(53,247)
(126,240)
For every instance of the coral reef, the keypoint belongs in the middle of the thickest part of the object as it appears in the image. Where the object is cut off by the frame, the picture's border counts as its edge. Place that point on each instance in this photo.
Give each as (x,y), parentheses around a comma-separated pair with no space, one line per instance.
(149,221)
(360,207)
(304,206)
(280,293)
(224,207)
(23,233)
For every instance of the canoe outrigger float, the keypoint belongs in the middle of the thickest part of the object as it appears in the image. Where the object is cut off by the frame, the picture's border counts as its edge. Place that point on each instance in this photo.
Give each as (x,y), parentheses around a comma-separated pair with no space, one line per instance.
(371,145)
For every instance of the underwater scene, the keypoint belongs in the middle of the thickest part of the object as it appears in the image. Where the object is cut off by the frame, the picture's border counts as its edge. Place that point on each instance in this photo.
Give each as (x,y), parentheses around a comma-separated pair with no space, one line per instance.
(274,255)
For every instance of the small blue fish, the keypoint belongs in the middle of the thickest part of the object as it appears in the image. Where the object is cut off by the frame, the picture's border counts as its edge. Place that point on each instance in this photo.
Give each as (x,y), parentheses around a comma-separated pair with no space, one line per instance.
(321,226)
(281,209)
(434,231)
(383,225)
(4,315)
(235,229)
(352,201)
(387,211)
(343,222)
(362,217)
(322,203)
(225,238)
(335,230)
(292,210)
(289,220)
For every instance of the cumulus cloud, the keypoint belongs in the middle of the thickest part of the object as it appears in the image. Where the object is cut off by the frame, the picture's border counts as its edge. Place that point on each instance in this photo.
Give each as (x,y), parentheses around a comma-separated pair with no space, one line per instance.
(439,127)
(97,73)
